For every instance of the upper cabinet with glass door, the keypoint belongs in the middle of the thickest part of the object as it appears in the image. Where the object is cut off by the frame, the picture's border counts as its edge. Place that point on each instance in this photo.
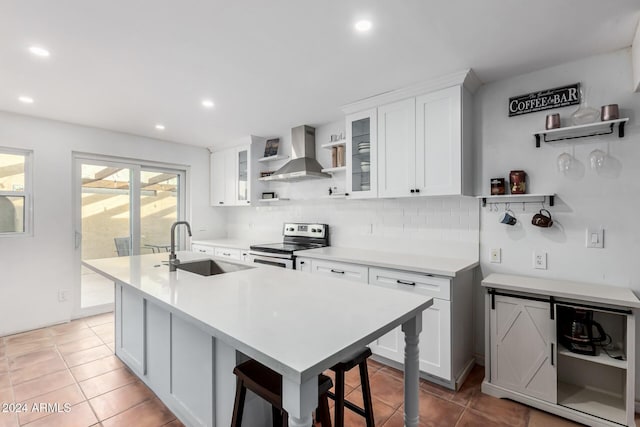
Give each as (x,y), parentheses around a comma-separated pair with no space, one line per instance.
(232,173)
(362,154)
(243,184)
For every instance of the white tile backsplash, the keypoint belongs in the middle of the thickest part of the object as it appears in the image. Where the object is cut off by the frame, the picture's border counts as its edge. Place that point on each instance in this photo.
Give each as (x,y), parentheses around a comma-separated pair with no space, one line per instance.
(441,226)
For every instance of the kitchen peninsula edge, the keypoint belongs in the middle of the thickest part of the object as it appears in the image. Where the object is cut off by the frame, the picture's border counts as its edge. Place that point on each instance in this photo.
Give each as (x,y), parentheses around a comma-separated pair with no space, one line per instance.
(180,332)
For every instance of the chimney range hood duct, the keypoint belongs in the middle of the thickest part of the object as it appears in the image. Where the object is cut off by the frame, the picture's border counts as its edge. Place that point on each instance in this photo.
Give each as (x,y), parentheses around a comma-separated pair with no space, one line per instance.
(303,164)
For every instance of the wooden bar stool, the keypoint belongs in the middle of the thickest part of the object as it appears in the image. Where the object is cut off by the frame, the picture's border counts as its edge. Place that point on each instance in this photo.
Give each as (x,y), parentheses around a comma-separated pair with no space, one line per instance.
(266,383)
(340,369)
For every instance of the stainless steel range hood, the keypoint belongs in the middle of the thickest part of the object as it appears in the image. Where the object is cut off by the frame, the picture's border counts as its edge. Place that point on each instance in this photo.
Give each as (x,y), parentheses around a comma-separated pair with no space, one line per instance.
(303,164)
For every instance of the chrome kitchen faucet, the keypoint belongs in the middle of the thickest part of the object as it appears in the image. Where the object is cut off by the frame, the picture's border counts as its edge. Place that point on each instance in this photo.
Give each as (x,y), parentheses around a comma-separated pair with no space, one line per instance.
(173,259)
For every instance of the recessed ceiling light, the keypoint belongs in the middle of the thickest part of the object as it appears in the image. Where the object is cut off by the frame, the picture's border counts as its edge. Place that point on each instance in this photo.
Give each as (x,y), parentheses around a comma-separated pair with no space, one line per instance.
(363,25)
(25,99)
(160,126)
(207,103)
(39,51)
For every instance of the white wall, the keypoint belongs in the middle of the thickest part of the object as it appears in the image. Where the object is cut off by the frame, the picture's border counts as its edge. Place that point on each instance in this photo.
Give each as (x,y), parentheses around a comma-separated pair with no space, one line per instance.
(443,226)
(635,52)
(610,199)
(35,267)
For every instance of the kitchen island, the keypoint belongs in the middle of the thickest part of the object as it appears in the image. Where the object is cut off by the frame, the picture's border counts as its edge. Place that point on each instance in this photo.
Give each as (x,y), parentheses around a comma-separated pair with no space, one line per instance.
(183,333)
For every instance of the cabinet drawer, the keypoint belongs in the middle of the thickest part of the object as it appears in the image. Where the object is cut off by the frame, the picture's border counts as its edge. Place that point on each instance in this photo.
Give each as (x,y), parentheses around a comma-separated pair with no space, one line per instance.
(202,249)
(341,270)
(228,253)
(436,287)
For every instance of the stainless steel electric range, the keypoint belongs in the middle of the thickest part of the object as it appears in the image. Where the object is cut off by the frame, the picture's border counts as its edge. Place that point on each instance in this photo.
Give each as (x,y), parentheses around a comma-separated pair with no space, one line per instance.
(297,237)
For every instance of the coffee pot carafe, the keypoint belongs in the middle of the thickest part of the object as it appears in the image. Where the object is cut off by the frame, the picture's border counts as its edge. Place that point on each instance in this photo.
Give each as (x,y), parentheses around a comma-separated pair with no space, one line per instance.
(576,330)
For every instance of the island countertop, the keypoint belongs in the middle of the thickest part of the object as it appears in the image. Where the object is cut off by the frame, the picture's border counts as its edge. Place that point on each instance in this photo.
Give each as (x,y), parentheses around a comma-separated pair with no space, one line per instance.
(294,322)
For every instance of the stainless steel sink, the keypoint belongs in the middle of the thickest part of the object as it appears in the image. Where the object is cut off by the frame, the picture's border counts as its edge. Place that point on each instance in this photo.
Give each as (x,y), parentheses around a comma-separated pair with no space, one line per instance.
(209,267)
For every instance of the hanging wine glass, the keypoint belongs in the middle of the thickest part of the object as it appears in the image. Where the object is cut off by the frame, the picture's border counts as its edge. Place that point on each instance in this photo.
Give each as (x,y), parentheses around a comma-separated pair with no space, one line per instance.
(565,162)
(597,159)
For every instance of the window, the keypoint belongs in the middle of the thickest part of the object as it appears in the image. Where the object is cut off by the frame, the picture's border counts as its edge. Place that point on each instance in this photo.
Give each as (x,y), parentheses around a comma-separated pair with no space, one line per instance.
(15,192)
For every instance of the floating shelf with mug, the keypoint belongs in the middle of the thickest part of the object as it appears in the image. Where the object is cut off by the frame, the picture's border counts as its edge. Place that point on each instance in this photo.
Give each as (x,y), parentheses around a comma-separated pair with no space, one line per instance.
(607,127)
(517,198)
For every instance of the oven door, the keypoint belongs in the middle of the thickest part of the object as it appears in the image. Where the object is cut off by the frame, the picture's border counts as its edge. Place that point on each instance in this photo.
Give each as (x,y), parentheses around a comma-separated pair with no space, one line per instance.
(276,260)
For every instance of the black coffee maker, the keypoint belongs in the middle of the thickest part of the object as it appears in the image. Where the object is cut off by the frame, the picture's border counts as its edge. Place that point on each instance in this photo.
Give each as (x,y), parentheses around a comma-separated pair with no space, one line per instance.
(575,330)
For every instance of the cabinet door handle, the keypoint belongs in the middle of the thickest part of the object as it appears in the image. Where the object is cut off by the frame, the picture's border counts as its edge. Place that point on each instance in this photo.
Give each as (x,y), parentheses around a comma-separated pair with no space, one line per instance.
(226,254)
(417,190)
(551,354)
(221,203)
(301,262)
(337,271)
(413,190)
(402,282)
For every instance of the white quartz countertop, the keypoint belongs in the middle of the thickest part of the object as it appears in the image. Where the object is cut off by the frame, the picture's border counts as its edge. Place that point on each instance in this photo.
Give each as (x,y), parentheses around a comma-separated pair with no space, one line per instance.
(395,260)
(223,242)
(604,294)
(294,322)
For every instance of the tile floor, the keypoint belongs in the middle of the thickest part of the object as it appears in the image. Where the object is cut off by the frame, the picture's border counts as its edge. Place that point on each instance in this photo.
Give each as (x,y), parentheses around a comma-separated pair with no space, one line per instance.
(74,364)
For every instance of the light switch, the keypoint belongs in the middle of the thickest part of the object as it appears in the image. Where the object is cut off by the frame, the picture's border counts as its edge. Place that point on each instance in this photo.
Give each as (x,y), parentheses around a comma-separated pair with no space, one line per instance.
(595,238)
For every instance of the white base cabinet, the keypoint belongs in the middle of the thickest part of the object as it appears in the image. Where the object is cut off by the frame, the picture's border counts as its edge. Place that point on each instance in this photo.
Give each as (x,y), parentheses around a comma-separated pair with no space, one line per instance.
(445,357)
(185,367)
(528,362)
(233,254)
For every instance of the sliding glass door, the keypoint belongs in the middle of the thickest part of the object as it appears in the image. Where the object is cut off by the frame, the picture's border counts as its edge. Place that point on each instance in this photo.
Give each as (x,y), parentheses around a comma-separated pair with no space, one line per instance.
(122,209)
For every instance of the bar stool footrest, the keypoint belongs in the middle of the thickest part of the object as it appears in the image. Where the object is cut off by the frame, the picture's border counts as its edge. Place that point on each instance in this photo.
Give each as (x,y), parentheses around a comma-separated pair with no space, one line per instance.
(352,406)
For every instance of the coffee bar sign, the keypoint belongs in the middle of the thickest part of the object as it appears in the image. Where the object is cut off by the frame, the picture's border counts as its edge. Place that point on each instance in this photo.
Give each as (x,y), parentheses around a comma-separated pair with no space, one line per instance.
(544,100)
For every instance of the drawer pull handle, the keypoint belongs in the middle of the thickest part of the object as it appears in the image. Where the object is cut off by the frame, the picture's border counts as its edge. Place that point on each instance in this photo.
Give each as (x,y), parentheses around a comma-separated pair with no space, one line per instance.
(337,271)
(402,282)
(226,254)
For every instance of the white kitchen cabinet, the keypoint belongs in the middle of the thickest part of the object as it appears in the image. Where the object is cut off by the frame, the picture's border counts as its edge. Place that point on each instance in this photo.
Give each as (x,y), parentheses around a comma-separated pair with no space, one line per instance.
(424,145)
(420,145)
(172,356)
(231,177)
(435,339)
(362,154)
(203,249)
(446,357)
(129,333)
(303,264)
(523,347)
(439,143)
(397,149)
(340,270)
(527,362)
(234,254)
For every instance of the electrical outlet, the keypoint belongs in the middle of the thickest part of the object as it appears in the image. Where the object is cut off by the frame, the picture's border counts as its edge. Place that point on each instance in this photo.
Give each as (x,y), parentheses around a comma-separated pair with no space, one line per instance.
(540,260)
(496,256)
(595,238)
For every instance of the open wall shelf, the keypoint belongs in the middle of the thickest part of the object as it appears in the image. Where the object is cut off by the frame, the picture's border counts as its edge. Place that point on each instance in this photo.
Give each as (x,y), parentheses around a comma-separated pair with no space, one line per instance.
(551,136)
(518,198)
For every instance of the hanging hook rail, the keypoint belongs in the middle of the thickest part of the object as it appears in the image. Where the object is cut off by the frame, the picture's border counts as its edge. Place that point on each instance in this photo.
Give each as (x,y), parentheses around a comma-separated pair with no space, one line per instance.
(522,198)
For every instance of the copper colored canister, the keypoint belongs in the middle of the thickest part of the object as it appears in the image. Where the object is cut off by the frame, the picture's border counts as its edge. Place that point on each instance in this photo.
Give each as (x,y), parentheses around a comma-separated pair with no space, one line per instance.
(609,112)
(518,182)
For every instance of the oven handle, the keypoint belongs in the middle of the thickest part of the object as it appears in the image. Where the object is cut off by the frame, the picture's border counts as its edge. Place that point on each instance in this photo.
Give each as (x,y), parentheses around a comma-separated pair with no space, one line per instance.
(278,262)
(269,255)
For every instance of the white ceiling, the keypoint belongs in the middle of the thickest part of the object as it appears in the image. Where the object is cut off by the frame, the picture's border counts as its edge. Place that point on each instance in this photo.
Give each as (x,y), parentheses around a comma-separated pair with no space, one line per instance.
(271,65)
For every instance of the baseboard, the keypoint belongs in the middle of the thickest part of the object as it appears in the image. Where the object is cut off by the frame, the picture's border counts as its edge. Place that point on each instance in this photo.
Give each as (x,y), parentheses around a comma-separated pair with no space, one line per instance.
(479,359)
